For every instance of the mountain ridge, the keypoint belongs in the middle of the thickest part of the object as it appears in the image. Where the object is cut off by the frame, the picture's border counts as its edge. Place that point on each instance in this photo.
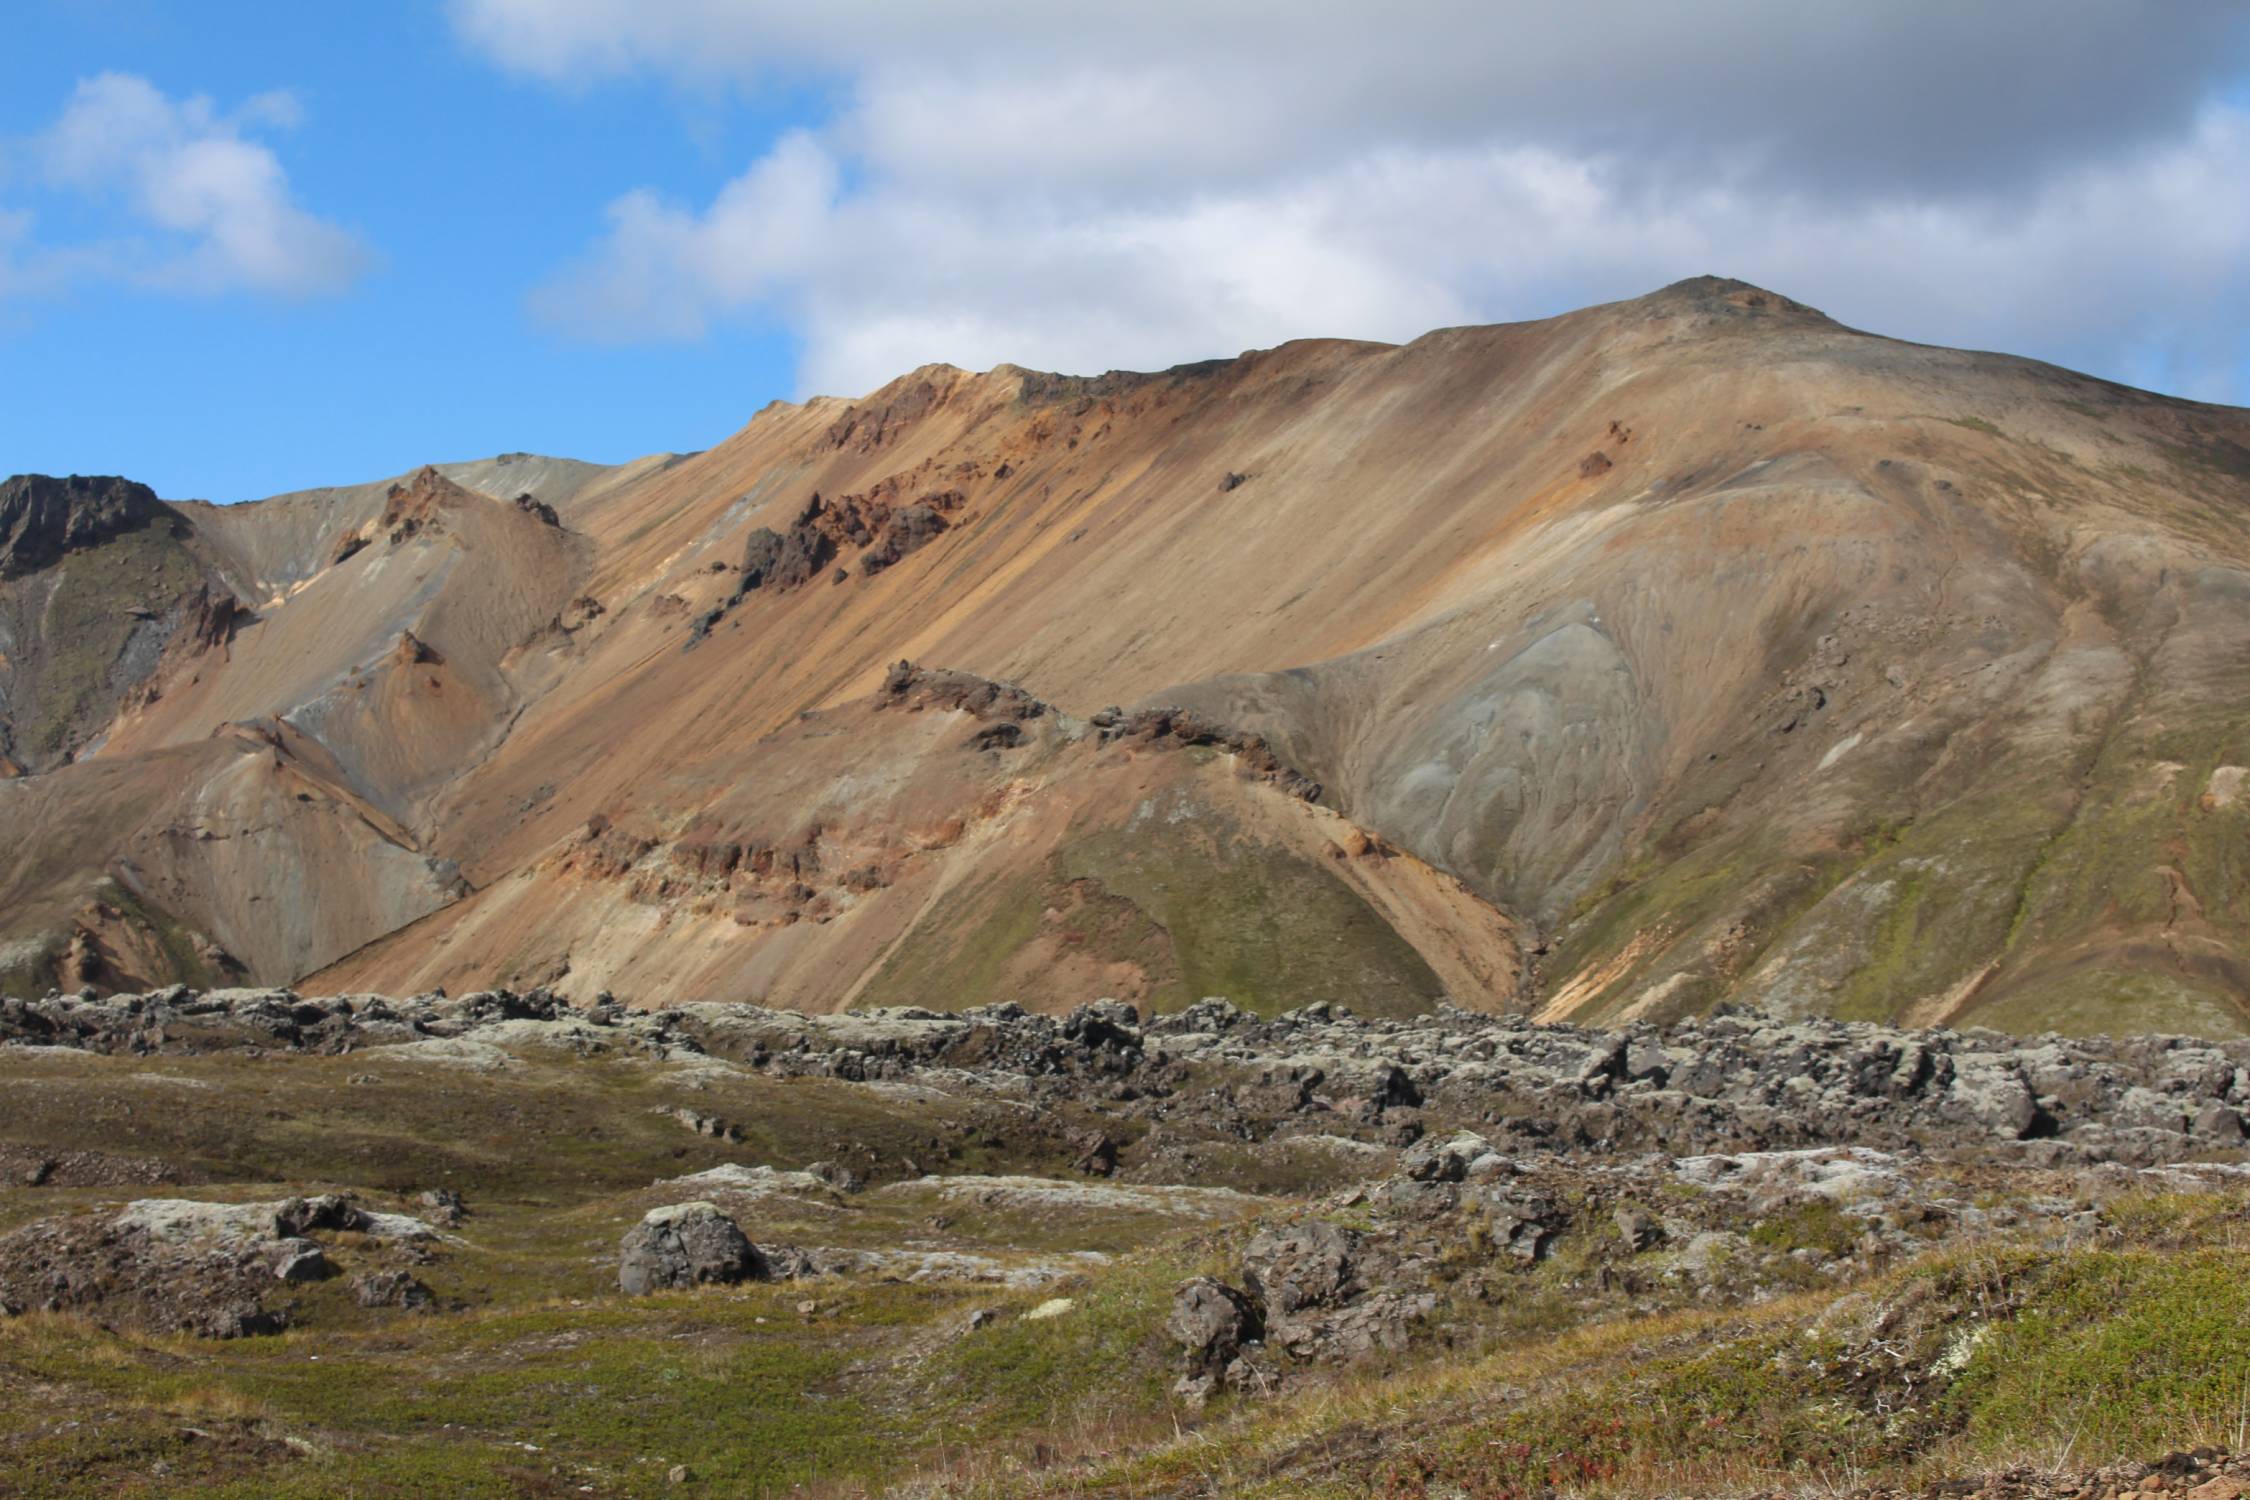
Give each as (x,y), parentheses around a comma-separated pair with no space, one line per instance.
(1688,648)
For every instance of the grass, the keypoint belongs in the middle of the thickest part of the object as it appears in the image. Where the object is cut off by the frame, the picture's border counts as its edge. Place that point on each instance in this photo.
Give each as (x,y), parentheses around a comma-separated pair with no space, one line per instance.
(1032,1375)
(734,1383)
(539,1378)
(2121,1352)
(1260,924)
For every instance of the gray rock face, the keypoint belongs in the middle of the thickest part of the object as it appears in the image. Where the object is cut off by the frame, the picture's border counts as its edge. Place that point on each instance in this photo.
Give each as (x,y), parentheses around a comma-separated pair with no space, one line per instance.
(1211,1321)
(1638,1228)
(683,1245)
(1313,1283)
(1310,1297)
(300,1260)
(1443,1158)
(42,518)
(397,1289)
(1301,1268)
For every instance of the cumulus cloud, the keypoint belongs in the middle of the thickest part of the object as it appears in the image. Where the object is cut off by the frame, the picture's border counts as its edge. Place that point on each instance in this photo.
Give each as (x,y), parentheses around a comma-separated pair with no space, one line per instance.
(1079,187)
(209,208)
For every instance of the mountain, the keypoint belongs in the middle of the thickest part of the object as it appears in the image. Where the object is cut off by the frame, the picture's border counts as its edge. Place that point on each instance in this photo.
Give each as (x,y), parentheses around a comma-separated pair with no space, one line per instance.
(1675,651)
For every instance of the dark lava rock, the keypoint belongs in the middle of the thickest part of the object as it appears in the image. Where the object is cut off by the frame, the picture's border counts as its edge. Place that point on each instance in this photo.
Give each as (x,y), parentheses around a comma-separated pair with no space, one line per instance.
(685,1244)
(42,518)
(1303,1267)
(912,528)
(127,1277)
(538,509)
(1211,1321)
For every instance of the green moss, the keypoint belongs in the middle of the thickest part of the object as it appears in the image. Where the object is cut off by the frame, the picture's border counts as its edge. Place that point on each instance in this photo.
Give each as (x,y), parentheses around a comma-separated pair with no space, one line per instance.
(1895,947)
(970,936)
(2113,999)
(1255,922)
(1105,1354)
(2119,1353)
(1818,1225)
(1187,896)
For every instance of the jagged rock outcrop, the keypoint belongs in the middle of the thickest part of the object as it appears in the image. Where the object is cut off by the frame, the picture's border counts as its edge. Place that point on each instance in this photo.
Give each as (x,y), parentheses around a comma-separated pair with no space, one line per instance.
(1721,1084)
(42,518)
(774,560)
(1183,727)
(538,509)
(1211,1322)
(417,505)
(885,530)
(213,617)
(909,686)
(909,529)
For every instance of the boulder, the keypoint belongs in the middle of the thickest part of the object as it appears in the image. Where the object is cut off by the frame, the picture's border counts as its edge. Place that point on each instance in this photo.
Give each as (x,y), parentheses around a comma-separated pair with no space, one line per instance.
(1210,1321)
(1991,1092)
(296,1260)
(1444,1159)
(393,1289)
(1638,1228)
(682,1245)
(1520,1220)
(1313,1264)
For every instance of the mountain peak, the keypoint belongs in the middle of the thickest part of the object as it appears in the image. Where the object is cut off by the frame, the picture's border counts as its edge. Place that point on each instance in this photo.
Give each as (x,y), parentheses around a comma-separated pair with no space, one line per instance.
(43,517)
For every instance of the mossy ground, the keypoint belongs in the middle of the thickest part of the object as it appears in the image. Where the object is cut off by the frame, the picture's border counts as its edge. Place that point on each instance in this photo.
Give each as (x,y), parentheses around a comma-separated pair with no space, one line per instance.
(1969,1358)
(1600,1375)
(539,1377)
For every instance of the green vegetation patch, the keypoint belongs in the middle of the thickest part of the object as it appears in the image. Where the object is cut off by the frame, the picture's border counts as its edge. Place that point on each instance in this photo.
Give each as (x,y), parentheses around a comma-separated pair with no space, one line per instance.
(1185,896)
(2118,1352)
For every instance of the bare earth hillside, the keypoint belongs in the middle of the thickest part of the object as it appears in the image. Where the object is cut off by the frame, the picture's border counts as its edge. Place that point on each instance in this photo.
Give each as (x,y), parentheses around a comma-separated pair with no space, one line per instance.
(1687,649)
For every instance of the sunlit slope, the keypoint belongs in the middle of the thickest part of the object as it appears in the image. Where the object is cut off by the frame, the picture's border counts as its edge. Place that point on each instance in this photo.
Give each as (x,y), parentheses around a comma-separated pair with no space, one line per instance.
(1706,648)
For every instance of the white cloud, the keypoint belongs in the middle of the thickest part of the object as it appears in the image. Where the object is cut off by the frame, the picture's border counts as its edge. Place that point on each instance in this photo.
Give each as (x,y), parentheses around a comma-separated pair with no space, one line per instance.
(1080,187)
(664,271)
(210,209)
(1910,92)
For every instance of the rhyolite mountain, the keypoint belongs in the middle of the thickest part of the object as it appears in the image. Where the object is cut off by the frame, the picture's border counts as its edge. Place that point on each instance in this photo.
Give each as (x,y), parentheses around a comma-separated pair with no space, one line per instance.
(1682,650)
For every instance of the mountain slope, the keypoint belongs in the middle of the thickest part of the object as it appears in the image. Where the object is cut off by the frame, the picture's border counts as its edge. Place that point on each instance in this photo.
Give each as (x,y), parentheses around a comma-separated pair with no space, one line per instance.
(1671,651)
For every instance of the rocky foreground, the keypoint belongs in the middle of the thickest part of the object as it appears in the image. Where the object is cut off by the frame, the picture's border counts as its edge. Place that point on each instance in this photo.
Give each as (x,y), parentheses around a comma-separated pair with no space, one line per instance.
(998,1253)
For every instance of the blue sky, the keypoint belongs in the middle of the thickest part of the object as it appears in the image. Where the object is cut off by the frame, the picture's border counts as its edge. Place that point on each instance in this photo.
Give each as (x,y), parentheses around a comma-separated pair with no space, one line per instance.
(464,184)
(248,247)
